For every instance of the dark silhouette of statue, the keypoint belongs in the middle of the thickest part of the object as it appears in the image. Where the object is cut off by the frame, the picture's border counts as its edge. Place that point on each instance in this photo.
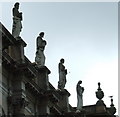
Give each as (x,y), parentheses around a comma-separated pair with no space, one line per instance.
(17,18)
(62,75)
(80,91)
(40,57)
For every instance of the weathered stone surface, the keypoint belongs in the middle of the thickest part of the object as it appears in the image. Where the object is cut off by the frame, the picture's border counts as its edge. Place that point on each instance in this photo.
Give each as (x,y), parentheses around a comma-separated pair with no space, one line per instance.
(80,91)
(62,75)
(40,57)
(17,18)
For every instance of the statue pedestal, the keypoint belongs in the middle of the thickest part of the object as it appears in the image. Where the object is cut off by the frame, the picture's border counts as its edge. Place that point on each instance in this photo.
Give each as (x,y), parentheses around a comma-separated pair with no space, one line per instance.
(42,77)
(16,51)
(64,100)
(100,106)
(43,82)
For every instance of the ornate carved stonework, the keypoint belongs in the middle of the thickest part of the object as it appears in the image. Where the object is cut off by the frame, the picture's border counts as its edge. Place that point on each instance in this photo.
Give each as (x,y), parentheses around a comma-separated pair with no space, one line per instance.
(18,101)
(99,95)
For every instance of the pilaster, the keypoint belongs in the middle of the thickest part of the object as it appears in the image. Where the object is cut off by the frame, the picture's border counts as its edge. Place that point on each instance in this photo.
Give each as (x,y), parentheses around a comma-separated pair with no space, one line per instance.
(18,96)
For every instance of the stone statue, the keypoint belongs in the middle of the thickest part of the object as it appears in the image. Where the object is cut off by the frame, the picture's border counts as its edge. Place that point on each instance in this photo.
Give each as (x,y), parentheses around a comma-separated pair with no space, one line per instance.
(80,91)
(17,18)
(40,57)
(62,75)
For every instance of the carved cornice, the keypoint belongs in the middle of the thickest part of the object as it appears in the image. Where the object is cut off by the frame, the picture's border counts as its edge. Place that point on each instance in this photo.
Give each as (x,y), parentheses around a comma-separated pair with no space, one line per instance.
(63,92)
(52,95)
(56,110)
(43,69)
(26,68)
(7,61)
(34,89)
(8,39)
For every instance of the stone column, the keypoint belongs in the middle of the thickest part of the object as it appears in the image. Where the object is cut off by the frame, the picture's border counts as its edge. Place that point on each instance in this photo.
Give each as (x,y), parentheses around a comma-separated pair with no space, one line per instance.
(16,51)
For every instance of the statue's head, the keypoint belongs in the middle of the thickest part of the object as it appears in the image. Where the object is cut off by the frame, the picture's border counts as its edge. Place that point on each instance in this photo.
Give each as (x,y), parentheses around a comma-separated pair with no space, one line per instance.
(62,60)
(80,82)
(41,34)
(16,5)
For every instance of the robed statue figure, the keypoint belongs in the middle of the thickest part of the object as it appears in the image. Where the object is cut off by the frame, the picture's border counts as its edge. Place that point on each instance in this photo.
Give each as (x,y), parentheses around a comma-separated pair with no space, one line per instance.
(80,91)
(62,75)
(40,57)
(17,18)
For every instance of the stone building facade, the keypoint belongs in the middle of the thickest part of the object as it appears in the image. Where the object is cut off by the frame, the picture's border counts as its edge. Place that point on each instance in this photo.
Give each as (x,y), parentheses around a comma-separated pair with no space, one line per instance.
(26,90)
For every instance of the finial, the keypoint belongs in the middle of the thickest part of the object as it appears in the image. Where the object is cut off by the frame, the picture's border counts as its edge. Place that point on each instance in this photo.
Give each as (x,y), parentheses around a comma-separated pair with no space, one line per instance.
(99,95)
(99,86)
(112,108)
(111,101)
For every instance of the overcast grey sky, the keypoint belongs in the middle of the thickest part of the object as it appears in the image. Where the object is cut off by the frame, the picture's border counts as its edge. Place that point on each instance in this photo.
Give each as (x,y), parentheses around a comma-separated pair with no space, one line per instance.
(85,34)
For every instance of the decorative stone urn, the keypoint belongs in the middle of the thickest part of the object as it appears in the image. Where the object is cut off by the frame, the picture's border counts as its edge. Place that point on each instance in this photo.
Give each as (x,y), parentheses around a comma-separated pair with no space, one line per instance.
(99,95)
(112,108)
